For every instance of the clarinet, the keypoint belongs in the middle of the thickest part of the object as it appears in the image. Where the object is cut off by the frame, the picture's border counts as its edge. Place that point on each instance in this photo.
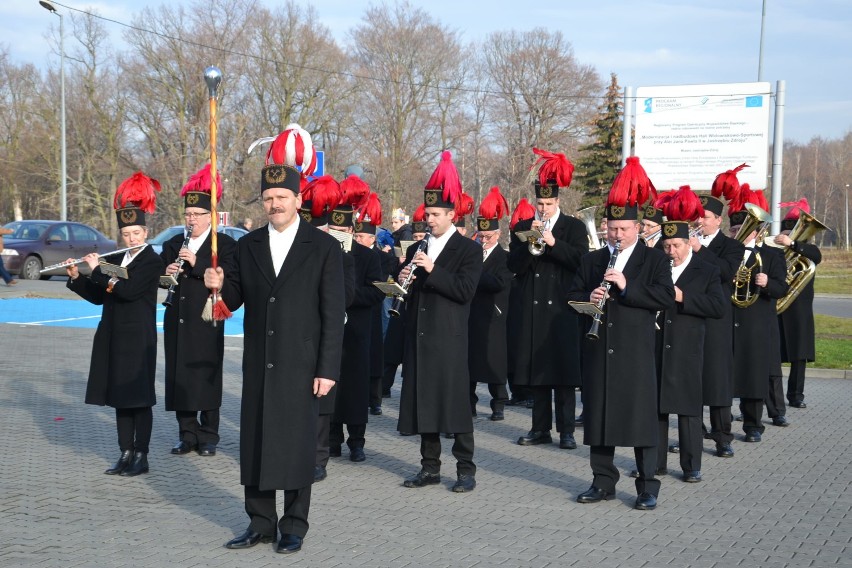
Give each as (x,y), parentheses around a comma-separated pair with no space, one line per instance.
(171,292)
(398,300)
(593,331)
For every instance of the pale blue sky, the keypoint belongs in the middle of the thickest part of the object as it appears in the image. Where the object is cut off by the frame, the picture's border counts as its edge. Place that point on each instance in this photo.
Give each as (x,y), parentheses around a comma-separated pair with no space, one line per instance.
(808,43)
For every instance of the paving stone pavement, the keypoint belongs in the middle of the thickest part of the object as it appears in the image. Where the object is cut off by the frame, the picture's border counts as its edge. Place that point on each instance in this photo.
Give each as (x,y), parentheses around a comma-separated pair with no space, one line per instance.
(783,502)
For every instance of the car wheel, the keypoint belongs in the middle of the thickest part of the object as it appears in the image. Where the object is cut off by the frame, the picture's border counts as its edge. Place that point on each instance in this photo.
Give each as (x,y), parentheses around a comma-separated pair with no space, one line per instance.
(30,269)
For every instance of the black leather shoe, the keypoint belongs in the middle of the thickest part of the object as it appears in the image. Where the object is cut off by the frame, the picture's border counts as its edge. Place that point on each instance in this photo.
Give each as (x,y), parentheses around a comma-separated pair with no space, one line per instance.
(334,451)
(535,438)
(594,495)
(406,433)
(799,404)
(724,451)
(517,402)
(121,464)
(738,418)
(646,502)
(182,447)
(464,484)
(289,544)
(578,422)
(376,410)
(138,465)
(386,394)
(248,539)
(497,415)
(634,473)
(674,449)
(567,441)
(692,476)
(207,450)
(450,436)
(753,436)
(780,421)
(422,479)
(319,473)
(357,455)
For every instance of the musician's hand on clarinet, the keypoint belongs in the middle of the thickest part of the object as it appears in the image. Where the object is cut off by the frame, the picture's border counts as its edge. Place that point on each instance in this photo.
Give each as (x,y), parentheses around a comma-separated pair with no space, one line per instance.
(213,278)
(761,280)
(615,277)
(598,294)
(422,260)
(403,274)
(72,270)
(91,259)
(173,269)
(187,255)
(322,386)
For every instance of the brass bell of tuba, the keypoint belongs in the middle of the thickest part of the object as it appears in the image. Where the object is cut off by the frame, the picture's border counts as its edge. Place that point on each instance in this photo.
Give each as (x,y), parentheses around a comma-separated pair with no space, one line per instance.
(587,216)
(744,294)
(800,269)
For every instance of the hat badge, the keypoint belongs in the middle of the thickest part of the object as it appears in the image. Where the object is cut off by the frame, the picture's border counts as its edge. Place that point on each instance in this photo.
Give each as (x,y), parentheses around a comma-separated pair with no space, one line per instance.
(338,218)
(670,230)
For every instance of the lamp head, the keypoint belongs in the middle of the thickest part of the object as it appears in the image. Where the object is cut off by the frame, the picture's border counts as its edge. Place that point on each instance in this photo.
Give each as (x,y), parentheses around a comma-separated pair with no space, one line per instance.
(47,5)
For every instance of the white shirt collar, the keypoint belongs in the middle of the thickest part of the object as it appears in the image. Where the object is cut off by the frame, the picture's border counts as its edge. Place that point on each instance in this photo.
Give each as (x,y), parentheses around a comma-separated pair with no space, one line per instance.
(707,239)
(196,242)
(678,270)
(437,244)
(280,243)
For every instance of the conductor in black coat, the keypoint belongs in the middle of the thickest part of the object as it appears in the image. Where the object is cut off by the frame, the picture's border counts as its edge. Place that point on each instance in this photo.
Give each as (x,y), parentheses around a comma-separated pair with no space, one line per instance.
(194,348)
(797,321)
(124,351)
(619,370)
(717,378)
(289,278)
(547,355)
(435,390)
(487,359)
(680,346)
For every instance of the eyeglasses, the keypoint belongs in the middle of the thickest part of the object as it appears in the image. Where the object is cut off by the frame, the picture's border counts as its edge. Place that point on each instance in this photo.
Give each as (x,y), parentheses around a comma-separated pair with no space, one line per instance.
(194,215)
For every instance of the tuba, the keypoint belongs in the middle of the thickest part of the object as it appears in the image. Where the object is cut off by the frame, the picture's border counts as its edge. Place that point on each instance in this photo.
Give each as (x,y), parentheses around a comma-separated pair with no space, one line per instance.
(587,216)
(800,270)
(757,220)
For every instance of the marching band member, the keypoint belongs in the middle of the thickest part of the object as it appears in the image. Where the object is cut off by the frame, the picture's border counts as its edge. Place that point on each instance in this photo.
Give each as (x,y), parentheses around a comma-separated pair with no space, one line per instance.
(548,348)
(619,372)
(652,217)
(194,348)
(520,394)
(435,395)
(124,352)
(489,308)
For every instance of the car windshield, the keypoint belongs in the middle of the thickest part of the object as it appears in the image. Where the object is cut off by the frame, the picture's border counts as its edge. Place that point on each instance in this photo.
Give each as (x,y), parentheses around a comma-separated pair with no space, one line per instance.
(165,235)
(27,231)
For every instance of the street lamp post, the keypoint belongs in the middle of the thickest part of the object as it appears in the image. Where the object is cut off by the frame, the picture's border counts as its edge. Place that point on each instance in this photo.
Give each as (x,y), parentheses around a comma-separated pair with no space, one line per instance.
(847,217)
(63,196)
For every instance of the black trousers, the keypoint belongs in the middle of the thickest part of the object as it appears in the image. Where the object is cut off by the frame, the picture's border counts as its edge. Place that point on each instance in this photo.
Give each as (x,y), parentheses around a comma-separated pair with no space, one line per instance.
(376,390)
(775,406)
(323,428)
(430,452)
(389,376)
(690,439)
(356,435)
(606,474)
(720,424)
(518,392)
(198,427)
(752,411)
(499,397)
(796,381)
(134,427)
(542,414)
(260,507)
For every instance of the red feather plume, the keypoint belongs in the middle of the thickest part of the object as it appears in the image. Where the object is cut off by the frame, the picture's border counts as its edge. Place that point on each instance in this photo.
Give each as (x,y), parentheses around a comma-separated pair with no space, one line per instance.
(746,195)
(293,147)
(324,194)
(522,212)
(464,205)
(419,213)
(553,166)
(683,205)
(797,207)
(201,181)
(446,177)
(494,205)
(632,186)
(139,191)
(371,210)
(726,184)
(355,190)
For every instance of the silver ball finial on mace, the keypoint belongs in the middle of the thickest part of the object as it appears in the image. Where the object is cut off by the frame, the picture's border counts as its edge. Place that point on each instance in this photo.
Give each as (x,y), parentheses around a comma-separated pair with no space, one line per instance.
(212,76)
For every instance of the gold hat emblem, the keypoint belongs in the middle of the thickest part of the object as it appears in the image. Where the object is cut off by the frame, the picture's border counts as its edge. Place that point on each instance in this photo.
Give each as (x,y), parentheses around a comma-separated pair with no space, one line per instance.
(704,200)
(431,198)
(192,198)
(670,230)
(617,211)
(338,218)
(484,224)
(274,174)
(128,216)
(306,215)
(650,211)
(359,226)
(545,191)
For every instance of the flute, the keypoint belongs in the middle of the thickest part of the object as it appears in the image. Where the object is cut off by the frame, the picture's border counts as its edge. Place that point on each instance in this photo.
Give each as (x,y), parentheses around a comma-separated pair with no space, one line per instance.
(81,261)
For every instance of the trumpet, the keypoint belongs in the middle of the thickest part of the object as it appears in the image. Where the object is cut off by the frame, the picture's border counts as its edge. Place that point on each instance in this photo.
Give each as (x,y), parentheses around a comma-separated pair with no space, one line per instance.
(68,263)
(399,299)
(536,246)
(596,323)
(172,279)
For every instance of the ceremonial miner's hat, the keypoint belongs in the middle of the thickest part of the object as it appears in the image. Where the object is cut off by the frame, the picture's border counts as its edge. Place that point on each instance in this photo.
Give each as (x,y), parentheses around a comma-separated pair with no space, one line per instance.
(553,171)
(523,211)
(464,208)
(680,207)
(290,160)
(792,216)
(630,190)
(196,192)
(319,196)
(444,187)
(493,208)
(418,220)
(737,212)
(134,197)
(369,215)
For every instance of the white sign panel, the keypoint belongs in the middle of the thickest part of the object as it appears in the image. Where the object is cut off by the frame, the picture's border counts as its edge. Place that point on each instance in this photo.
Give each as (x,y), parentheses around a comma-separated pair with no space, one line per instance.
(688,134)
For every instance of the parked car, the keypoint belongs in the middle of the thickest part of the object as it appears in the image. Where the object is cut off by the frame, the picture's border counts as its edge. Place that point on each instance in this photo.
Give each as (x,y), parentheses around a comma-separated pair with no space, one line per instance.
(156,243)
(36,244)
